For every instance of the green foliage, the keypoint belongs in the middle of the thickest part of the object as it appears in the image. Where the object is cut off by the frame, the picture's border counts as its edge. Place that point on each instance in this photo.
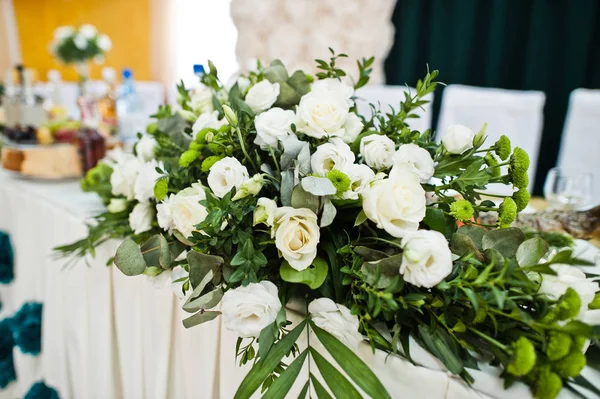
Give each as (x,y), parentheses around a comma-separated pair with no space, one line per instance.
(330,70)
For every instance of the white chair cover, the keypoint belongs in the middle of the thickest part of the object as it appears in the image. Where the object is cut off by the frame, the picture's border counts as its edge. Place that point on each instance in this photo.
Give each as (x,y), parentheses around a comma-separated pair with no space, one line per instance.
(390,96)
(517,114)
(581,137)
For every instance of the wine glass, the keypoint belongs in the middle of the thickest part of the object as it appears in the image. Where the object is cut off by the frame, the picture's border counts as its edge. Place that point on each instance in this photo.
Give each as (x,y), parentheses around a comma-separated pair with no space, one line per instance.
(568,189)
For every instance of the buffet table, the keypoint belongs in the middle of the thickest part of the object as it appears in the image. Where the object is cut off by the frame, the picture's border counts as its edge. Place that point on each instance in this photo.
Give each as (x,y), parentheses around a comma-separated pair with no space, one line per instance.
(106,335)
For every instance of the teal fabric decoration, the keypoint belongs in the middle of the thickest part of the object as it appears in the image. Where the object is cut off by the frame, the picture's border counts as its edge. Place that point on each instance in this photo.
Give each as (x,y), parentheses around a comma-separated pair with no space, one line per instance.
(40,390)
(7,367)
(26,327)
(7,259)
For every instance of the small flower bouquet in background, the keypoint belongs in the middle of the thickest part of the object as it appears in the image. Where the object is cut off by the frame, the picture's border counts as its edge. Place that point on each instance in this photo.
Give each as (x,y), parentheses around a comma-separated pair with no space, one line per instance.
(276,188)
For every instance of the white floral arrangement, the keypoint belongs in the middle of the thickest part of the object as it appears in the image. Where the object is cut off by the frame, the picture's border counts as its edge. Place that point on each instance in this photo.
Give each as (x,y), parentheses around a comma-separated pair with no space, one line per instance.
(78,45)
(275,188)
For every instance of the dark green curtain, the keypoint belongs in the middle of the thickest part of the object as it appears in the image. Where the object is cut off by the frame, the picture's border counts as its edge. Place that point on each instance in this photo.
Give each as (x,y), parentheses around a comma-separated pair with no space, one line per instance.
(547,45)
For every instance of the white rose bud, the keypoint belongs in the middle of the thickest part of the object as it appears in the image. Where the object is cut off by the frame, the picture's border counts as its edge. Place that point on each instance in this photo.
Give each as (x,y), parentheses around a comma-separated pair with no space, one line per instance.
(458,139)
(226,174)
(296,236)
(248,310)
(145,148)
(251,186)
(419,158)
(333,155)
(426,260)
(395,204)
(353,127)
(117,205)
(262,96)
(265,212)
(337,320)
(377,151)
(140,218)
(273,126)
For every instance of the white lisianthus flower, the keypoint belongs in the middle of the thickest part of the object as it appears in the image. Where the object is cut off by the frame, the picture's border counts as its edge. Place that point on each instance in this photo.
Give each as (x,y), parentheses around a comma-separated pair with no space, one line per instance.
(226,174)
(187,115)
(323,114)
(335,87)
(144,183)
(273,126)
(353,127)
(395,204)
(80,41)
(163,214)
(333,155)
(145,148)
(251,186)
(88,31)
(418,157)
(62,32)
(201,100)
(140,218)
(262,96)
(117,205)
(185,210)
(247,310)
(265,212)
(207,119)
(243,84)
(104,43)
(297,235)
(337,320)
(124,176)
(458,139)
(178,273)
(427,259)
(360,176)
(377,151)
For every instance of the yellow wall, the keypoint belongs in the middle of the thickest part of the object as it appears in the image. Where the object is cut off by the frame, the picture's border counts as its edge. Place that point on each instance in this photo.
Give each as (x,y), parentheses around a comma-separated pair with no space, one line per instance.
(126,22)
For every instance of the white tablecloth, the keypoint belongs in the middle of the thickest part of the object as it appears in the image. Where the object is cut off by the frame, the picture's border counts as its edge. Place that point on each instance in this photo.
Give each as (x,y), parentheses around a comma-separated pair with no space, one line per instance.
(106,335)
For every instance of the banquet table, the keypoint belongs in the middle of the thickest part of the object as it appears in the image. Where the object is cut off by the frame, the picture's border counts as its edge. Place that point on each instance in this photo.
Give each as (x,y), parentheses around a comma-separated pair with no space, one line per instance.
(106,335)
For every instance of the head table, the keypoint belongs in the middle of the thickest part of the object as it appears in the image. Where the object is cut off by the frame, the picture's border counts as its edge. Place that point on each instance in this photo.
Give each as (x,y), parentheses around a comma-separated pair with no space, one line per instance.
(106,335)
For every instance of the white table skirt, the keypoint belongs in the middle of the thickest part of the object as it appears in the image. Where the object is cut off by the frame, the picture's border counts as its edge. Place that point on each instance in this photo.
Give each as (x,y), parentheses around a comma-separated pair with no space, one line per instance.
(106,335)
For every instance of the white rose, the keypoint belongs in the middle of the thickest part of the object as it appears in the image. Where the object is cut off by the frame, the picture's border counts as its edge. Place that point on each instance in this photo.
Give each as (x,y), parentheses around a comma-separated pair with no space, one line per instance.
(568,276)
(262,95)
(80,42)
(458,139)
(426,260)
(377,151)
(117,205)
(226,174)
(335,87)
(353,128)
(185,210)
(247,310)
(179,273)
(273,126)
(296,236)
(163,214)
(323,114)
(395,204)
(88,31)
(145,148)
(360,176)
(418,157)
(124,176)
(337,320)
(207,119)
(243,84)
(140,218)
(62,32)
(104,43)
(333,155)
(251,186)
(201,100)
(265,212)
(144,183)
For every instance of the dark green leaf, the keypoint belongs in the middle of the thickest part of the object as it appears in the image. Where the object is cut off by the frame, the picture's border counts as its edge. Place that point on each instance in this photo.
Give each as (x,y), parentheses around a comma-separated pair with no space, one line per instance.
(436,220)
(339,385)
(505,241)
(304,199)
(304,390)
(284,382)
(199,318)
(463,245)
(156,252)
(201,264)
(475,233)
(531,251)
(319,389)
(361,218)
(129,258)
(369,254)
(266,339)
(443,347)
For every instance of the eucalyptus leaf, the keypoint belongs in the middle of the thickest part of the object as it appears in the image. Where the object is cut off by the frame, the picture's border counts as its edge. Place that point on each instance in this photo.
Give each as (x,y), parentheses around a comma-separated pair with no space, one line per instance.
(463,245)
(370,254)
(339,385)
(129,258)
(287,97)
(287,186)
(531,251)
(172,124)
(475,233)
(206,301)
(505,241)
(303,160)
(304,199)
(291,149)
(319,186)
(381,274)
(299,83)
(201,264)
(199,318)
(328,214)
(313,276)
(156,252)
(276,72)
(182,239)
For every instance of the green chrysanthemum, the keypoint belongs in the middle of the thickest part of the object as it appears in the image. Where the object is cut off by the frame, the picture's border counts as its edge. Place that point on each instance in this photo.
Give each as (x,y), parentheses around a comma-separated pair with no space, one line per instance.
(521,198)
(570,366)
(523,358)
(196,146)
(595,304)
(559,345)
(519,159)
(161,188)
(461,210)
(201,137)
(209,162)
(569,304)
(188,157)
(151,128)
(579,342)
(519,177)
(492,164)
(548,385)
(502,147)
(340,181)
(507,212)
